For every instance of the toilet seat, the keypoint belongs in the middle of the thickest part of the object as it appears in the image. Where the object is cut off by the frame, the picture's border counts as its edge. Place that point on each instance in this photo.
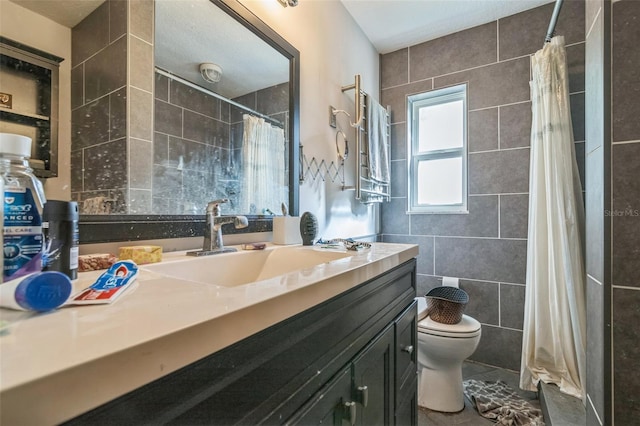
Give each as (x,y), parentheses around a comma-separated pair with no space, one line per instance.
(467,327)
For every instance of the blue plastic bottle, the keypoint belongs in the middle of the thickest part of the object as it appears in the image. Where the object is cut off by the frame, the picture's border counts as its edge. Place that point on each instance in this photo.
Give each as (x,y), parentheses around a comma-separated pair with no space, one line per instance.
(23,203)
(2,227)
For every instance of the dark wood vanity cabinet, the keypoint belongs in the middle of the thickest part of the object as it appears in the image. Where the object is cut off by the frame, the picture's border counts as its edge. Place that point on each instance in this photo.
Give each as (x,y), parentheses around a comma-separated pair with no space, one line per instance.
(348,361)
(378,388)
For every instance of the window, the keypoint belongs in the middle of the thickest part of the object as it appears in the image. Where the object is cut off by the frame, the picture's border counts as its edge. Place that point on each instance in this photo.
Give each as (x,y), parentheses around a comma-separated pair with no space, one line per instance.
(437,126)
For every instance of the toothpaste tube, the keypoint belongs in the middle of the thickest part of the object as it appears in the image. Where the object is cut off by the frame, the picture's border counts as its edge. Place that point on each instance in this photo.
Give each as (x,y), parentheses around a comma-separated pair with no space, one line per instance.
(109,286)
(38,291)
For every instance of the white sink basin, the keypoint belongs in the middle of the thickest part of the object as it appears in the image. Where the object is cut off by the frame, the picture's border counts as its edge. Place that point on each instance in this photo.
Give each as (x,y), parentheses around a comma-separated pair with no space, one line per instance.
(244,267)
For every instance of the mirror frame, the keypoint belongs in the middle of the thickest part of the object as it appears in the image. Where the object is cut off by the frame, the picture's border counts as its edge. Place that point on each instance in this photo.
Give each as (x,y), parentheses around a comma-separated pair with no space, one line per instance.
(114,228)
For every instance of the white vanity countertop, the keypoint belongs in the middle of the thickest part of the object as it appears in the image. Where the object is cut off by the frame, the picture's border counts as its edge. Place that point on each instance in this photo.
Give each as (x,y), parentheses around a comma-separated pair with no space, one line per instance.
(57,365)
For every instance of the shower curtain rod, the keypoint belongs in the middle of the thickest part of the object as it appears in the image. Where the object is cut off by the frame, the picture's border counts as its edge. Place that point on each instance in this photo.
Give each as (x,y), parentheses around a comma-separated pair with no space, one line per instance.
(554,18)
(215,95)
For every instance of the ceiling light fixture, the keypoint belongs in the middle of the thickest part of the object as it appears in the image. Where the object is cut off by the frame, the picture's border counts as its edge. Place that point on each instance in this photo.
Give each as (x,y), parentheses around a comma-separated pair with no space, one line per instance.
(211,73)
(286,3)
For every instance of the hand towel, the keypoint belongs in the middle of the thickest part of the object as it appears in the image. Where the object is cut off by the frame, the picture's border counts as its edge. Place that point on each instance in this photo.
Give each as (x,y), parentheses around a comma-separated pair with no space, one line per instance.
(378,151)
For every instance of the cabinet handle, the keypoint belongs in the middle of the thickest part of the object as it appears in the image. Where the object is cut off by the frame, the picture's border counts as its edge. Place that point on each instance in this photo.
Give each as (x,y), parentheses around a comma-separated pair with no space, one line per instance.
(363,394)
(408,349)
(350,412)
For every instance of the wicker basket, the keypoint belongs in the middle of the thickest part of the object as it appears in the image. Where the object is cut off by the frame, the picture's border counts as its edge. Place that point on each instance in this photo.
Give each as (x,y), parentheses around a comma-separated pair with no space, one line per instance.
(446,304)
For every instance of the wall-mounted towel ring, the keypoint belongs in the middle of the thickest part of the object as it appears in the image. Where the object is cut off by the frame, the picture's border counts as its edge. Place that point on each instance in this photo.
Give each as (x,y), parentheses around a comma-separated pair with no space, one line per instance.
(344,155)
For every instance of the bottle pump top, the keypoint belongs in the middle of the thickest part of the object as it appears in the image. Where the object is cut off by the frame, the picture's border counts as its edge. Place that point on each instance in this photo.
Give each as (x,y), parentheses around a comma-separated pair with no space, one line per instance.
(15,145)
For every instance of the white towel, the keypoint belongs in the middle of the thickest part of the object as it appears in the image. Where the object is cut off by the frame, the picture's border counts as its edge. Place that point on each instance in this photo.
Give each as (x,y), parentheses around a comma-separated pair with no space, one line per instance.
(378,141)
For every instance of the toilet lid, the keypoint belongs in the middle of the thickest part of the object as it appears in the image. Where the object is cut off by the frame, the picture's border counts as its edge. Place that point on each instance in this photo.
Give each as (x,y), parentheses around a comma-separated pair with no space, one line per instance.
(467,327)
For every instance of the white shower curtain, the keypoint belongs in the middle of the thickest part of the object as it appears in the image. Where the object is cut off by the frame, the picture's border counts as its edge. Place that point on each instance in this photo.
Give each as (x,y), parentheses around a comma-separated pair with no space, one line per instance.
(553,347)
(264,184)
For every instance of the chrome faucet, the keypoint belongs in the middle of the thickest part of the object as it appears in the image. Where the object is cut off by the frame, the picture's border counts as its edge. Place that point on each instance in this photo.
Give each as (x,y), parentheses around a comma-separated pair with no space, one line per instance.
(213,243)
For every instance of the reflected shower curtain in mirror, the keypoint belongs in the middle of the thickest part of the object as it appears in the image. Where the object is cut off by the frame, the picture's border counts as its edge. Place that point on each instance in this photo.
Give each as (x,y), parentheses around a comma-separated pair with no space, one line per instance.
(553,346)
(264,183)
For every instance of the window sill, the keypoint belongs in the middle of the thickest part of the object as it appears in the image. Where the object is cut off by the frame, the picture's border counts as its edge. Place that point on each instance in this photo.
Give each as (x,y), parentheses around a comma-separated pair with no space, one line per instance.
(439,212)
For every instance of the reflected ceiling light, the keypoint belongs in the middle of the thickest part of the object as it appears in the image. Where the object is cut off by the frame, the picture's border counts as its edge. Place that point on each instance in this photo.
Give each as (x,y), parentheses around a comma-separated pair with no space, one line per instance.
(211,73)
(286,3)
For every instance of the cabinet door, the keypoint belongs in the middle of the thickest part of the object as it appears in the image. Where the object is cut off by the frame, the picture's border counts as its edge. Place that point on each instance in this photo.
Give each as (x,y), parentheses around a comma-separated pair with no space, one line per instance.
(406,348)
(332,405)
(406,367)
(373,381)
(407,410)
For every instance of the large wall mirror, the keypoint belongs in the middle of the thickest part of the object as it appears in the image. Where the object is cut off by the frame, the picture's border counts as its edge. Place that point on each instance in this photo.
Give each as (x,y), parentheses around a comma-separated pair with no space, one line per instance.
(213,113)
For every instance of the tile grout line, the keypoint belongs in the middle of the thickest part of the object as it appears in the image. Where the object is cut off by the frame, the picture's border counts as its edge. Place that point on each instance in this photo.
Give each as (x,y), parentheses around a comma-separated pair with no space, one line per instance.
(480,281)
(499,147)
(497,40)
(594,279)
(467,69)
(434,255)
(594,409)
(593,23)
(624,287)
(85,102)
(501,105)
(501,150)
(504,328)
(142,90)
(625,142)
(456,72)
(500,305)
(141,39)
(459,236)
(499,214)
(408,70)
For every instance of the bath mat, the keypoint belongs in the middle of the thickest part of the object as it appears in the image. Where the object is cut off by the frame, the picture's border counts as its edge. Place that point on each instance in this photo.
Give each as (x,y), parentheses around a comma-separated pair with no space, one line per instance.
(498,402)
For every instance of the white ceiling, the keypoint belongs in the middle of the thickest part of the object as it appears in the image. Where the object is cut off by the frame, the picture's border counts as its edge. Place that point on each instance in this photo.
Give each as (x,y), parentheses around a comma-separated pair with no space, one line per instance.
(394,24)
(389,25)
(65,12)
(188,38)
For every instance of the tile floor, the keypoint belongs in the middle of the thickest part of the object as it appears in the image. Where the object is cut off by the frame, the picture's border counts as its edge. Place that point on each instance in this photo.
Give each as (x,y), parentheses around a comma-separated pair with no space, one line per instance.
(469,416)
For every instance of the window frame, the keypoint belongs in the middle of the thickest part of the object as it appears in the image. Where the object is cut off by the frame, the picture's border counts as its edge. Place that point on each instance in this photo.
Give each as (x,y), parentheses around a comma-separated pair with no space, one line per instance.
(414,104)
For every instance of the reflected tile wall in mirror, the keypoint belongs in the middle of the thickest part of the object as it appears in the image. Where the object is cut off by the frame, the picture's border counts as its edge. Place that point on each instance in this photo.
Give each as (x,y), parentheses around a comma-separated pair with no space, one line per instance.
(198,145)
(143,144)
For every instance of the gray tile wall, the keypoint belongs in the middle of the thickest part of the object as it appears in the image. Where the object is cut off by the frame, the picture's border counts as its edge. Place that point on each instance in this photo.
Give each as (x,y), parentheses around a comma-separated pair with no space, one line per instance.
(98,102)
(597,148)
(112,86)
(625,209)
(486,249)
(612,150)
(140,105)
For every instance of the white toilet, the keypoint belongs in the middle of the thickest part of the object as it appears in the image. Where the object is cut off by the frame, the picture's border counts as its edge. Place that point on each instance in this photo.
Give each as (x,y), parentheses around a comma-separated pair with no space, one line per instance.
(441,350)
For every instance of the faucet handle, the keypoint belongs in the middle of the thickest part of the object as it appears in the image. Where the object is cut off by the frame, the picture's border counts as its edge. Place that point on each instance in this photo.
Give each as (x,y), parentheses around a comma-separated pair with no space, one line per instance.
(214,206)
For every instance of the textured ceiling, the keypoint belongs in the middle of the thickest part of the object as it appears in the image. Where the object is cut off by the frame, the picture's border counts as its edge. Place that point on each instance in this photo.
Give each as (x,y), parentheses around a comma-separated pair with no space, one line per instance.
(65,12)
(394,24)
(185,38)
(389,25)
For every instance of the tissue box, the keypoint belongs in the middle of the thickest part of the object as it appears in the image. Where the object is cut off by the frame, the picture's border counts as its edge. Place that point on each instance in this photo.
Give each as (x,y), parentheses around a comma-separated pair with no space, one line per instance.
(141,254)
(286,230)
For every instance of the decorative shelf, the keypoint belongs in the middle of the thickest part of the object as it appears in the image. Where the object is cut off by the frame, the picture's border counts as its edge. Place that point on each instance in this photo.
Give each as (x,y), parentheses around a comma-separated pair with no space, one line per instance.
(29,90)
(27,116)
